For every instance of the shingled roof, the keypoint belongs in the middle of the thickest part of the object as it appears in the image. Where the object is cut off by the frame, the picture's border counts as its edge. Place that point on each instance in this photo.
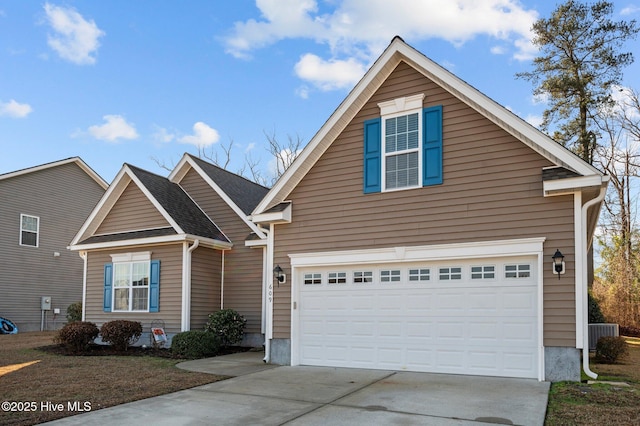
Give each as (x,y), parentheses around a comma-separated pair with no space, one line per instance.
(179,205)
(244,193)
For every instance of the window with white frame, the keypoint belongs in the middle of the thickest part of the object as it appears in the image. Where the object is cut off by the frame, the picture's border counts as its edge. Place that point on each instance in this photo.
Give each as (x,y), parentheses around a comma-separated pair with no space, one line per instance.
(131,286)
(485,272)
(363,277)
(312,278)
(29,230)
(387,276)
(422,274)
(402,151)
(517,271)
(337,278)
(452,273)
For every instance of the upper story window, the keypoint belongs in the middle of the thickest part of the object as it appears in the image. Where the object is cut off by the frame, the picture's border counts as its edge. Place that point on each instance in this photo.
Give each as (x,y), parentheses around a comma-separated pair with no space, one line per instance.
(29,230)
(403,147)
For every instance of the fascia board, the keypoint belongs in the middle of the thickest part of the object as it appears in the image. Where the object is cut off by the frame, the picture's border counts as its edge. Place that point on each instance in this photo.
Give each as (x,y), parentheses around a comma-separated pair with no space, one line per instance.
(283,216)
(495,112)
(153,201)
(217,189)
(376,75)
(570,185)
(208,242)
(103,207)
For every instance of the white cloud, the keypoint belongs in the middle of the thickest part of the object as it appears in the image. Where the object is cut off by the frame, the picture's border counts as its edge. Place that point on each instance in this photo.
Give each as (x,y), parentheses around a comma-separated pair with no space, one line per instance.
(354,29)
(331,74)
(14,109)
(163,135)
(534,120)
(629,10)
(250,147)
(116,127)
(75,39)
(203,135)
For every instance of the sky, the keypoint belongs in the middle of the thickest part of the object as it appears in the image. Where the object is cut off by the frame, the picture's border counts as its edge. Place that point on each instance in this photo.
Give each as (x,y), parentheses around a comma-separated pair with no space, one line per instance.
(142,82)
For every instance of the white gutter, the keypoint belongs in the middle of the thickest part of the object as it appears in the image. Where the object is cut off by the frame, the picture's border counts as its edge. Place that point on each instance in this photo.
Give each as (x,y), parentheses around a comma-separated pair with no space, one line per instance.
(186,284)
(85,257)
(584,278)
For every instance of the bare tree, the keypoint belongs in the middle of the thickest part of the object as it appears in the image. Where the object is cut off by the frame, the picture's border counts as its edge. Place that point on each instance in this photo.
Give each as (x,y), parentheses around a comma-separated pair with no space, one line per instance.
(283,153)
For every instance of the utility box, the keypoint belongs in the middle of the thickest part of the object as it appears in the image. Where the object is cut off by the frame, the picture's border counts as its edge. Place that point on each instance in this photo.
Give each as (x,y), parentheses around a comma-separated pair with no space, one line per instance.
(45,303)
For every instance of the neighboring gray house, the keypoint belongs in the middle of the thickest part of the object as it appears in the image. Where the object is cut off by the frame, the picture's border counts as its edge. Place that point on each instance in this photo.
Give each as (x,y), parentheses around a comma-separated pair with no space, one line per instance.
(41,209)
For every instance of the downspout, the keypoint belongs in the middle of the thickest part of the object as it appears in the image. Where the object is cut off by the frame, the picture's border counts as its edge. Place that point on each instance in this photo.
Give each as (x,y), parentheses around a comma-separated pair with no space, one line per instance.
(186,285)
(85,257)
(269,275)
(583,273)
(222,282)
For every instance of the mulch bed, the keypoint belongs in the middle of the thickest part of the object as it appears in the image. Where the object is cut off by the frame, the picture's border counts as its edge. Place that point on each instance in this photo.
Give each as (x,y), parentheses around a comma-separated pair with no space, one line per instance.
(108,350)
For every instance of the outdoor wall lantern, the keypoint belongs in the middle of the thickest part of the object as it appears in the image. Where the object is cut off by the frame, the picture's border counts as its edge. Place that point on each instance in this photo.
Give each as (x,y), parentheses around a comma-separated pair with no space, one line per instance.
(558,263)
(279,275)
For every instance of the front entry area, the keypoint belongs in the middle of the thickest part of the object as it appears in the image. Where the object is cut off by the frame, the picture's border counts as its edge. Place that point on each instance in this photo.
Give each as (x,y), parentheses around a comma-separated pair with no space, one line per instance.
(475,316)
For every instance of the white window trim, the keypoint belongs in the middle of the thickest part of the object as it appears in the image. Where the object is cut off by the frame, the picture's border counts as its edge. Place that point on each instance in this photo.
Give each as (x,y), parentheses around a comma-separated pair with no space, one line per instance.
(130,258)
(22,215)
(397,108)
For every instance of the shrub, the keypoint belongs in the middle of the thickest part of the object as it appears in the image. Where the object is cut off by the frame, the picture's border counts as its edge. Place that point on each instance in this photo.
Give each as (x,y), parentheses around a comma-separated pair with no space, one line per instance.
(195,344)
(121,333)
(595,313)
(74,312)
(77,336)
(629,331)
(609,349)
(228,325)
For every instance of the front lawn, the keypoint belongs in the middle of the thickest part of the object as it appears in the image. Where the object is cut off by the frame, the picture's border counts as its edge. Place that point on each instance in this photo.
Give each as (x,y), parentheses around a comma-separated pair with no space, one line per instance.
(36,382)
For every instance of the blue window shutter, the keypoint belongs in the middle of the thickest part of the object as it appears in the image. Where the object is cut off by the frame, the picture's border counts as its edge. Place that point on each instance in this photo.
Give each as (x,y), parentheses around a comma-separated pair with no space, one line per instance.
(432,146)
(108,285)
(154,287)
(372,156)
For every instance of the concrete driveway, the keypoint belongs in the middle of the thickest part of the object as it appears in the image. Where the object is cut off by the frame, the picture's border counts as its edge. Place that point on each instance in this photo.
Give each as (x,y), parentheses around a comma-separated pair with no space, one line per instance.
(269,395)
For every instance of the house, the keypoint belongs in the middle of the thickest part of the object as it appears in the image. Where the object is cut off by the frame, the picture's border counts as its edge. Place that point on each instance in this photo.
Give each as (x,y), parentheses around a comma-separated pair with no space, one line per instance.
(173,250)
(416,232)
(41,208)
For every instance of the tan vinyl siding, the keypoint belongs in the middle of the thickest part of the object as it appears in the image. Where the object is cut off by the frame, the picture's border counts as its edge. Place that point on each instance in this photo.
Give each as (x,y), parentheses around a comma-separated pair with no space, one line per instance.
(170,257)
(243,265)
(205,285)
(492,190)
(132,212)
(62,197)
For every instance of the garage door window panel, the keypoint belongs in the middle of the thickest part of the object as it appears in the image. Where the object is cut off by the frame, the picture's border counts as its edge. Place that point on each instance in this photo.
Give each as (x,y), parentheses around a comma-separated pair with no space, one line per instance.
(487,272)
(517,271)
(450,274)
(422,274)
(390,275)
(312,279)
(360,277)
(337,278)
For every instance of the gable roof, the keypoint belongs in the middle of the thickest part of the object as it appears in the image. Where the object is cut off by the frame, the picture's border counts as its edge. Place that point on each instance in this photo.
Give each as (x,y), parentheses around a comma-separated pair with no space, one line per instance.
(186,219)
(88,170)
(244,193)
(240,194)
(399,51)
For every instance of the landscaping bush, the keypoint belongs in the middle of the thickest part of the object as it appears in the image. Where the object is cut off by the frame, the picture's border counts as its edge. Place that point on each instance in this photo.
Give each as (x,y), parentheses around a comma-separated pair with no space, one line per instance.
(195,344)
(228,325)
(629,331)
(74,312)
(121,333)
(77,336)
(609,349)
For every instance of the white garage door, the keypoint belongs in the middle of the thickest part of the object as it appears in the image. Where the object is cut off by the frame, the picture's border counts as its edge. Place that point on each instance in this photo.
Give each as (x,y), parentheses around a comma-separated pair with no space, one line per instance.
(473,317)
